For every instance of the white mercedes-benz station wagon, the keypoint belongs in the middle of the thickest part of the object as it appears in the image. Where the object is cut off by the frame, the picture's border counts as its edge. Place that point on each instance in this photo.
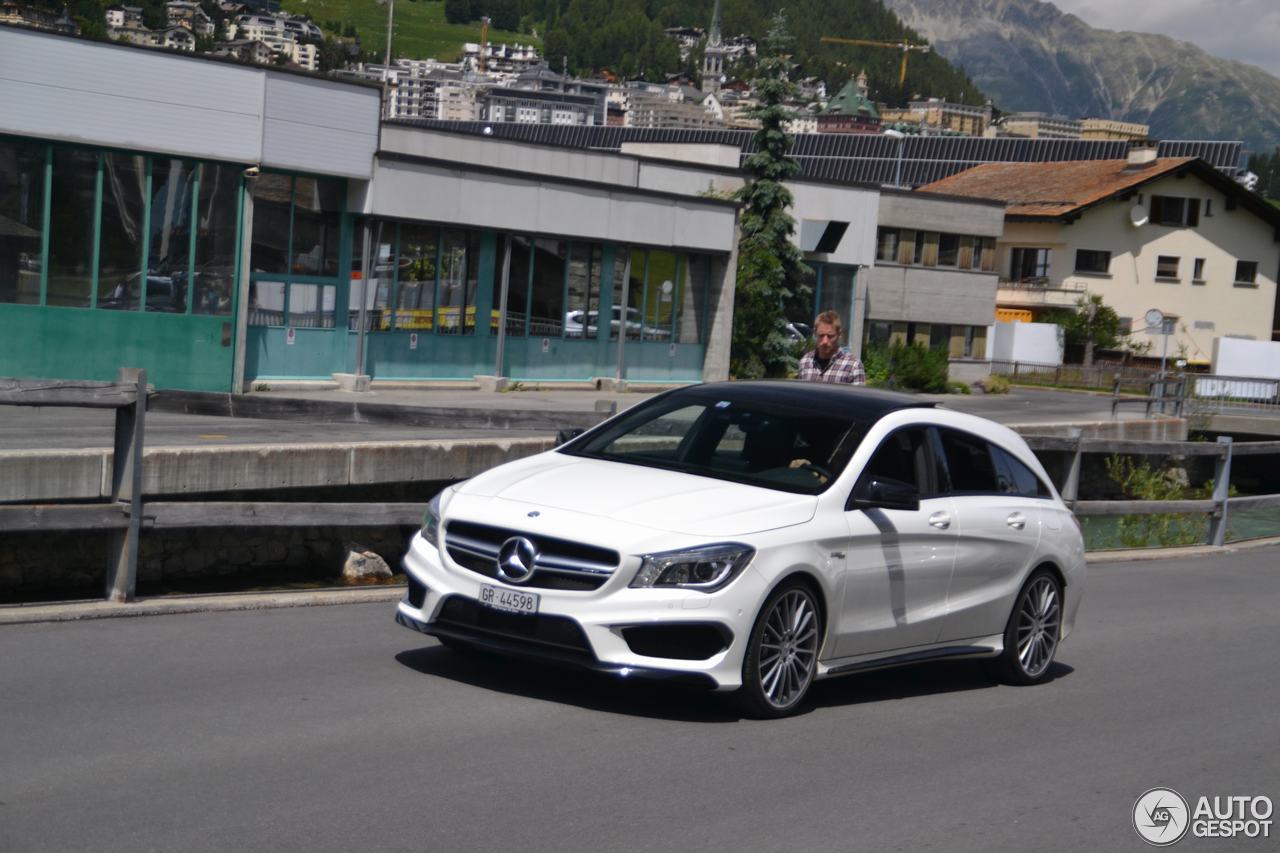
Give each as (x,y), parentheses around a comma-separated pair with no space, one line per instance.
(753,537)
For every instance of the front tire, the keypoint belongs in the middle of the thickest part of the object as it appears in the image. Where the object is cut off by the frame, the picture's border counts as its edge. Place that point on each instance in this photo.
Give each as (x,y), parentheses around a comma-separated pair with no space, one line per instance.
(782,653)
(1034,630)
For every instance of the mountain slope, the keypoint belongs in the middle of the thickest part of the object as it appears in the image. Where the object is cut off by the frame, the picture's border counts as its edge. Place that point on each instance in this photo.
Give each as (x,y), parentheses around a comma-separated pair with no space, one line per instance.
(1029,55)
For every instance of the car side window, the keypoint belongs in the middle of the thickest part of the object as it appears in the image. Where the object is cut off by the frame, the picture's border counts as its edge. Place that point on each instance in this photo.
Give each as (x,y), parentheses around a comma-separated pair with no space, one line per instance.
(969,463)
(902,456)
(1015,477)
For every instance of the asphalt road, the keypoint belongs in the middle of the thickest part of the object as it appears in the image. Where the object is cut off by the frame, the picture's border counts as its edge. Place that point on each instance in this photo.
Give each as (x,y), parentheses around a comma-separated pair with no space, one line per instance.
(26,428)
(331,728)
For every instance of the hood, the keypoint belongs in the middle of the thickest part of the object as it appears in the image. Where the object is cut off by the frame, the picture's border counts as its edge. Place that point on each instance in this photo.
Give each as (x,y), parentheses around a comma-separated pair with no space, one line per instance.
(641,496)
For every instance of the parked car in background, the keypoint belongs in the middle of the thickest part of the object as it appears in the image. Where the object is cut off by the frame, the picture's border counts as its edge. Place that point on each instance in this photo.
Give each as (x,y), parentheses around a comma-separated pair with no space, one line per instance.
(576,321)
(753,537)
(798,332)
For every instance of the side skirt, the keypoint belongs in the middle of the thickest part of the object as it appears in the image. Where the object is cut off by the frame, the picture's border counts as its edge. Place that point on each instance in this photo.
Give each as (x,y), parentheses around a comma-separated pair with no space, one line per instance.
(985,648)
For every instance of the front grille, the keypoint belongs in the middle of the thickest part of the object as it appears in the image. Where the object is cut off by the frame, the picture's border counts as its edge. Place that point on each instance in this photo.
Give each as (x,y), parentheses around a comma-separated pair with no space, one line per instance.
(561,564)
(559,631)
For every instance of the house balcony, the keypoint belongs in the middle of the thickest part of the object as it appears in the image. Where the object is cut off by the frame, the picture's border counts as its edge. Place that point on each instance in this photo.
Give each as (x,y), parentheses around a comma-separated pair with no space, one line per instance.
(1038,292)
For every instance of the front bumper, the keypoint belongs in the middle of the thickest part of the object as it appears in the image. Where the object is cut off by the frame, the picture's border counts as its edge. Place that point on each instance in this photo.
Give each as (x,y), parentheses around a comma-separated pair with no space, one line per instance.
(584,629)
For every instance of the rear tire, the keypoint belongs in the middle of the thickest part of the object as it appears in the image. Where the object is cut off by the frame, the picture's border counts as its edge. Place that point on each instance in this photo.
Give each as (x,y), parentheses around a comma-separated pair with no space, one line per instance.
(1031,637)
(782,653)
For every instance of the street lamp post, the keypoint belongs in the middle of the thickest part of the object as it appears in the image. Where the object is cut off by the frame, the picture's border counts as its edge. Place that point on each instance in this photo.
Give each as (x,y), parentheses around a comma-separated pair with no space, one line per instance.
(901,137)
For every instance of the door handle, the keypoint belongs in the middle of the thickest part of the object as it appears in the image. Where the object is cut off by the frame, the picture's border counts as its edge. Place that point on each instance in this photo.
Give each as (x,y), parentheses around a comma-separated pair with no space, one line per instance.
(940,520)
(1017,520)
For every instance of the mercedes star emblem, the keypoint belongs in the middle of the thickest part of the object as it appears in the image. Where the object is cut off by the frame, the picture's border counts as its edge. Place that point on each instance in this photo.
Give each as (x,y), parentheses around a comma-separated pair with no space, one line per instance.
(516,559)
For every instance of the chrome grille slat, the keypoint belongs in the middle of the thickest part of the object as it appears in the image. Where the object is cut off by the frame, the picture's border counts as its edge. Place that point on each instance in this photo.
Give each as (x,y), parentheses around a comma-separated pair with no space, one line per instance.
(468,541)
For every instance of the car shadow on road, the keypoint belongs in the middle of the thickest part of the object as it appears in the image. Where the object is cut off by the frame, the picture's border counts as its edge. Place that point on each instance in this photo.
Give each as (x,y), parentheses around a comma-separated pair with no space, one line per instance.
(907,682)
(533,680)
(653,700)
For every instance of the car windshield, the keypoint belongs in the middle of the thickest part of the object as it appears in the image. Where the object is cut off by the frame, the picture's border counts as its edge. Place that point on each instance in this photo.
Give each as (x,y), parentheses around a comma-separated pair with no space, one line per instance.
(774,448)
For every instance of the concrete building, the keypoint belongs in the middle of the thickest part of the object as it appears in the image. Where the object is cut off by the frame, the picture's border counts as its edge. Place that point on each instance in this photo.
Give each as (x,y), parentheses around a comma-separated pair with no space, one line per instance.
(1167,233)
(1040,126)
(188,14)
(670,108)
(534,107)
(941,116)
(934,280)
(21,15)
(220,240)
(1109,128)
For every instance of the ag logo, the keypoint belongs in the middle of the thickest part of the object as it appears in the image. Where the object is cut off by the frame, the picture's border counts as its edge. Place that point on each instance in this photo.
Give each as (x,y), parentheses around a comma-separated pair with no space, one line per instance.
(1161,817)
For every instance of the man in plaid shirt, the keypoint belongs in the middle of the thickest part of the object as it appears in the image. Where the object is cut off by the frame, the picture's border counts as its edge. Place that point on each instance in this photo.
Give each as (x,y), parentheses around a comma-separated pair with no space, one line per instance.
(829,362)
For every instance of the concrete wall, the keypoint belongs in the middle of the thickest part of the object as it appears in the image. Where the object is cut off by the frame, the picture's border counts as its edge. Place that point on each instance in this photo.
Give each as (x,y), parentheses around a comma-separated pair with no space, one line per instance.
(925,212)
(43,475)
(118,96)
(931,295)
(1034,343)
(536,205)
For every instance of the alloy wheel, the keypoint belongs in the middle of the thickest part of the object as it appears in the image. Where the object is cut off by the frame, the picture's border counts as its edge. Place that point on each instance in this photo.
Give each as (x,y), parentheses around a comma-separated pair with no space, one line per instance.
(1039,620)
(788,649)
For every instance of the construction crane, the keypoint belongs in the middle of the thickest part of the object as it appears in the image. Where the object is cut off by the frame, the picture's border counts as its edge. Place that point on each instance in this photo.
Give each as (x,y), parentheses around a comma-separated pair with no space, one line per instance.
(904,46)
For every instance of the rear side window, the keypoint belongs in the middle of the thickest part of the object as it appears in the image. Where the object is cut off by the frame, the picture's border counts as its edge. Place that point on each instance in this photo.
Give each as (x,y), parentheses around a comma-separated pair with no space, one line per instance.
(1015,478)
(969,463)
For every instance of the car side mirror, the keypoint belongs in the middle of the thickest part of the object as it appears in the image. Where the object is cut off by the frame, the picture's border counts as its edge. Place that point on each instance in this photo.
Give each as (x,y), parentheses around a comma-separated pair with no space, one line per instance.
(885,493)
(566,435)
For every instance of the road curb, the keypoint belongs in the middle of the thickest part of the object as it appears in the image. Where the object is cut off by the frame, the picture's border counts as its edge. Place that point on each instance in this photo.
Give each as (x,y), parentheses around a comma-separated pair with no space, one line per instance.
(1147,554)
(75,611)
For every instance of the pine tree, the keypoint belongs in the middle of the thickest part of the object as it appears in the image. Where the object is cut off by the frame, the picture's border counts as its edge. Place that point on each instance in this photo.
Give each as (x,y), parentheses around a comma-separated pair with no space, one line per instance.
(771,271)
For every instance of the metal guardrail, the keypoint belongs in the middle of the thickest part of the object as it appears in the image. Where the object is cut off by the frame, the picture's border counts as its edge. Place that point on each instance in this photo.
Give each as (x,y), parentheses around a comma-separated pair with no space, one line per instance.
(1209,393)
(1218,507)
(1100,376)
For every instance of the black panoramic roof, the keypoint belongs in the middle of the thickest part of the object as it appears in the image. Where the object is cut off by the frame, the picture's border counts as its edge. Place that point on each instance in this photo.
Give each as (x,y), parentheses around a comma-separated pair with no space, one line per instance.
(817,398)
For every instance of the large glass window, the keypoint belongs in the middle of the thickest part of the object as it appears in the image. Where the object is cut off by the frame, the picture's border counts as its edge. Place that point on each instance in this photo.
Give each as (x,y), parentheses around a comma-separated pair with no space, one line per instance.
(311,306)
(546,314)
(1174,210)
(887,245)
(635,294)
(416,270)
(317,208)
(517,286)
(582,319)
(692,299)
(948,250)
(266,303)
(270,249)
(169,246)
(458,279)
(71,219)
(837,291)
(21,220)
(661,275)
(124,201)
(216,248)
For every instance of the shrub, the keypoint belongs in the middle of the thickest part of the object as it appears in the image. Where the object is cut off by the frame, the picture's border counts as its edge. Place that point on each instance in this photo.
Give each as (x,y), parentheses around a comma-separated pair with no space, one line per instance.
(909,368)
(958,387)
(995,385)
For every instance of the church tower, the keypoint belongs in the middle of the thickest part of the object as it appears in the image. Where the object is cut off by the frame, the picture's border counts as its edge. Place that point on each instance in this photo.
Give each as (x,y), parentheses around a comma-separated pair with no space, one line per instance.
(713,56)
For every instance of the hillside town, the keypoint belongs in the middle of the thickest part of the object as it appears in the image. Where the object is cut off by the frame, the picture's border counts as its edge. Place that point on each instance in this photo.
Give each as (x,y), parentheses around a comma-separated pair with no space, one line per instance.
(499,82)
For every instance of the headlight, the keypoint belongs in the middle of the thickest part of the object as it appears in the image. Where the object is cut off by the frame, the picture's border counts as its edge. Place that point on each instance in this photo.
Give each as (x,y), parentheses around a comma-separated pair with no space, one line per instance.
(705,569)
(431,522)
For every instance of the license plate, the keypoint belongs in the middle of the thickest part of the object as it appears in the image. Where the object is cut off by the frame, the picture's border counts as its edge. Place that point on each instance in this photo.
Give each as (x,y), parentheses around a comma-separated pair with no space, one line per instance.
(510,600)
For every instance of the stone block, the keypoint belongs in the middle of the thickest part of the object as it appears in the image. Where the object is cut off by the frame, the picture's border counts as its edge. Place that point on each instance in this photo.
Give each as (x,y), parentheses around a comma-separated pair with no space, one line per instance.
(492,383)
(354,382)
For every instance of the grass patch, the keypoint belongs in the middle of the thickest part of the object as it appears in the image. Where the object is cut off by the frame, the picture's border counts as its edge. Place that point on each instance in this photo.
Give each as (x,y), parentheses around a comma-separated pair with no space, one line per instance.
(421,32)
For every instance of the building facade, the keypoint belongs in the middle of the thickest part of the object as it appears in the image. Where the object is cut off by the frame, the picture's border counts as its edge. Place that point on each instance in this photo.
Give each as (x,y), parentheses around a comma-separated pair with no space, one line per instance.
(1166,233)
(934,280)
(222,242)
